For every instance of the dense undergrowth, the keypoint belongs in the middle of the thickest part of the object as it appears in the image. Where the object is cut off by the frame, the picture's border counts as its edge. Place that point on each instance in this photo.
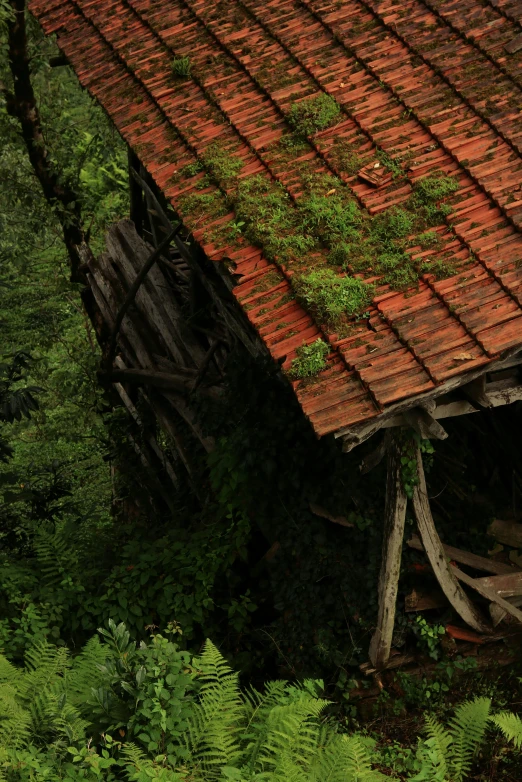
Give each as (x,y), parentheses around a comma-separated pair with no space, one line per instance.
(118,710)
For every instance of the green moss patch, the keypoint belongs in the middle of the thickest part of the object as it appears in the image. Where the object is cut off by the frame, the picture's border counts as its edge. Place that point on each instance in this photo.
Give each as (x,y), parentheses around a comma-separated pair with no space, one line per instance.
(313,114)
(310,360)
(329,296)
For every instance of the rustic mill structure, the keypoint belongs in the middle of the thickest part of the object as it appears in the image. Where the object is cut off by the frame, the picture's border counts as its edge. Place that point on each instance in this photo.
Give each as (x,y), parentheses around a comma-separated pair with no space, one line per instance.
(400,97)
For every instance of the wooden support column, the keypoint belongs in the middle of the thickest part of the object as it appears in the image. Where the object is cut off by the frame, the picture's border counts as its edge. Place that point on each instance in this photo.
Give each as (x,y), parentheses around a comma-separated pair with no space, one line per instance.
(438,559)
(394,518)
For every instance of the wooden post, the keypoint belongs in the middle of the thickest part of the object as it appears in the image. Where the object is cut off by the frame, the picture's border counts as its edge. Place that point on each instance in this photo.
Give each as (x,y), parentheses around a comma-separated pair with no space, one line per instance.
(438,559)
(394,518)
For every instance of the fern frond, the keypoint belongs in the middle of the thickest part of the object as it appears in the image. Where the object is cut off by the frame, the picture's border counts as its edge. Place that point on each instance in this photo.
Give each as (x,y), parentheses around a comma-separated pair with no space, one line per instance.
(220,714)
(8,671)
(139,767)
(15,720)
(84,675)
(467,730)
(511,726)
(291,734)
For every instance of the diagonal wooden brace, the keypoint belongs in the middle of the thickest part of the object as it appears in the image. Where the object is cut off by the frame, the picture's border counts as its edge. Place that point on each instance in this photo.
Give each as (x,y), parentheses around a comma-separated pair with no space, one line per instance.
(438,559)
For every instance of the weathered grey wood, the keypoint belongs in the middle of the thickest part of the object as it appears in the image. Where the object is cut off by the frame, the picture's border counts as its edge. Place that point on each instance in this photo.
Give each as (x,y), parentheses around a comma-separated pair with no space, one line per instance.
(488,593)
(147,300)
(504,586)
(376,456)
(498,613)
(394,519)
(476,391)
(424,424)
(182,381)
(466,558)
(125,398)
(179,403)
(507,532)
(438,559)
(108,306)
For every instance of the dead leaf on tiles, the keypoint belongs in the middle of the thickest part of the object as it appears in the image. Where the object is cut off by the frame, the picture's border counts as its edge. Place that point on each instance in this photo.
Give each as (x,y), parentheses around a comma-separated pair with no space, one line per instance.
(463,357)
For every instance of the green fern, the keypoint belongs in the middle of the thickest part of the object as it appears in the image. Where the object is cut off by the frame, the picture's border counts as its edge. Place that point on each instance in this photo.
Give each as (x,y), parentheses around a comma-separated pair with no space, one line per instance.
(511,726)
(448,753)
(220,714)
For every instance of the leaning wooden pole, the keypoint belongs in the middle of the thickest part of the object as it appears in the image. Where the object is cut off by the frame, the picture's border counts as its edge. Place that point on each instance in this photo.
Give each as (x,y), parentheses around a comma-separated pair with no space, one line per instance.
(394,518)
(438,559)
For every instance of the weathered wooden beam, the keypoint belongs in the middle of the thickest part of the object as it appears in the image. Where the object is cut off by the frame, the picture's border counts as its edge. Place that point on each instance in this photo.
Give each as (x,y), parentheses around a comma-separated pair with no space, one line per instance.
(504,586)
(466,558)
(486,592)
(476,391)
(424,424)
(507,532)
(183,380)
(394,519)
(438,560)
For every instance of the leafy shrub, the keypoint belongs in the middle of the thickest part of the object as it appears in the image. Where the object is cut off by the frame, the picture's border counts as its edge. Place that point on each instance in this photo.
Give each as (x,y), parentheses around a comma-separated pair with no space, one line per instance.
(310,359)
(313,114)
(330,296)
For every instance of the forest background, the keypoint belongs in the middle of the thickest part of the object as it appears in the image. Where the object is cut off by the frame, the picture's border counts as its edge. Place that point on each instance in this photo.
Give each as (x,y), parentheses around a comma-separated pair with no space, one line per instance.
(84,541)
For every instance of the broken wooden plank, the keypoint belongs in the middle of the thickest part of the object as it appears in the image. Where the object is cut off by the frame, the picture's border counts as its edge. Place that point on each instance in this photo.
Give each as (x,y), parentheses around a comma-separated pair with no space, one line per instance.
(324,514)
(437,557)
(497,613)
(424,601)
(504,586)
(486,592)
(394,519)
(508,532)
(466,558)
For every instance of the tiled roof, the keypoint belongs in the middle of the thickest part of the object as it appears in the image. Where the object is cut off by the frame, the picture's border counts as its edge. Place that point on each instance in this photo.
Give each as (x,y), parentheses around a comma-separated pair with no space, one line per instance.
(435,84)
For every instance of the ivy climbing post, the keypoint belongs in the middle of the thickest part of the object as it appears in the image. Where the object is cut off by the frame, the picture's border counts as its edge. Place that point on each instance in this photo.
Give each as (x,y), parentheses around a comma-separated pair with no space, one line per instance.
(394,519)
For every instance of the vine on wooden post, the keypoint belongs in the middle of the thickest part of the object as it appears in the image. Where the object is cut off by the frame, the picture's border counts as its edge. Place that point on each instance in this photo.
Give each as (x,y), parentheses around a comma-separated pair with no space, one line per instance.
(410,477)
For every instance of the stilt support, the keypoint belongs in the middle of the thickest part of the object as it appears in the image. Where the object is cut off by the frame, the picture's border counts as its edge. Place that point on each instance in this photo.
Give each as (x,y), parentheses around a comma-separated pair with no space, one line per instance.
(438,559)
(395,515)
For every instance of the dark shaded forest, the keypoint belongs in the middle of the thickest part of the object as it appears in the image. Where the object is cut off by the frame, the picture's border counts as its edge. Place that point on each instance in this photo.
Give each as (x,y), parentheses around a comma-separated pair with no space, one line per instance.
(108,593)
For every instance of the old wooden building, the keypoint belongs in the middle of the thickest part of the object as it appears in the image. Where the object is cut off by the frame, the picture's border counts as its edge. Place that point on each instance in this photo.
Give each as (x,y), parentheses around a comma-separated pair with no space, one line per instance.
(341,175)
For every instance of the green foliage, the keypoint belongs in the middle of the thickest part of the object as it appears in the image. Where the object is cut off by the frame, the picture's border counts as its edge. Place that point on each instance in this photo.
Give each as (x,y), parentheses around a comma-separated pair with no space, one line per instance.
(511,726)
(448,752)
(313,114)
(181,67)
(310,360)
(330,296)
(221,163)
(429,635)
